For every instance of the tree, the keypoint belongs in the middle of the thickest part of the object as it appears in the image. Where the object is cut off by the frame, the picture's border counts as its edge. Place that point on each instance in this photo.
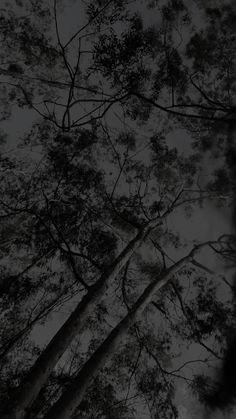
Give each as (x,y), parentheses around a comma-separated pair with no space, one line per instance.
(75,393)
(85,214)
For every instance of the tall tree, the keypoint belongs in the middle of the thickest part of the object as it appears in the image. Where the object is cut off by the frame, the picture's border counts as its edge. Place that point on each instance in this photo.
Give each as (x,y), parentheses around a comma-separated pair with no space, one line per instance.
(96,189)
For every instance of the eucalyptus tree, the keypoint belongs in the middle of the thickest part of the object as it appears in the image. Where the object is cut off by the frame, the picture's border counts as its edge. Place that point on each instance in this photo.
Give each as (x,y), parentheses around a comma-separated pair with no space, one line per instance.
(86,213)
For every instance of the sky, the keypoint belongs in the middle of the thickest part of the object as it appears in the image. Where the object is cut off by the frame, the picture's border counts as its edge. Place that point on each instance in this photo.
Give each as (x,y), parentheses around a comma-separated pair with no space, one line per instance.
(207,223)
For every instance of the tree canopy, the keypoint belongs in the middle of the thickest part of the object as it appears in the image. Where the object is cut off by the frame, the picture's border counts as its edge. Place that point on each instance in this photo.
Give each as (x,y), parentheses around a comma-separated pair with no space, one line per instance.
(117,185)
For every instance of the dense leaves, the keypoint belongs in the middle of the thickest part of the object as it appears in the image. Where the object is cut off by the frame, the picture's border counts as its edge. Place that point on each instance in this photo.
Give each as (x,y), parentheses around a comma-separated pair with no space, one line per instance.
(98,159)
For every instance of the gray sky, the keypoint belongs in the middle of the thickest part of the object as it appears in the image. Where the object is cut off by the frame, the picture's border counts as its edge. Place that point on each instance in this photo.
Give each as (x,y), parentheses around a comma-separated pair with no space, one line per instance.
(205,224)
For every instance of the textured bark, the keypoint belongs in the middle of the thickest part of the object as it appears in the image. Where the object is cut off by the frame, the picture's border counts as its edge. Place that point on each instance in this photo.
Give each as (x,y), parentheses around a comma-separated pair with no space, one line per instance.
(44,365)
(70,400)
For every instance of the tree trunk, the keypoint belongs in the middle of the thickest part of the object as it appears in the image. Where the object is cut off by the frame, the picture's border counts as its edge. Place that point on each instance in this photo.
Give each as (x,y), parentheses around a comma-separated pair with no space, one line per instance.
(70,400)
(44,365)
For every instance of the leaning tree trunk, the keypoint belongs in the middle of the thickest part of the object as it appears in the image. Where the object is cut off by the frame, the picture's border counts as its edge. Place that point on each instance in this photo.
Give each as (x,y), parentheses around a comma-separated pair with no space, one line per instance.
(70,400)
(41,370)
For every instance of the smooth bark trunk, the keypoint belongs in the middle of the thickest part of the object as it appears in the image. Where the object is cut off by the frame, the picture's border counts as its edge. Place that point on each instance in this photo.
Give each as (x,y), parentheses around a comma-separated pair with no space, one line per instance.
(44,365)
(70,400)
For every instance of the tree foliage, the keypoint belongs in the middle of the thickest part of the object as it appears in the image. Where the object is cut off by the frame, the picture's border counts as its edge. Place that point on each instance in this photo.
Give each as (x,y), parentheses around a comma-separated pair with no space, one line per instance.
(95,194)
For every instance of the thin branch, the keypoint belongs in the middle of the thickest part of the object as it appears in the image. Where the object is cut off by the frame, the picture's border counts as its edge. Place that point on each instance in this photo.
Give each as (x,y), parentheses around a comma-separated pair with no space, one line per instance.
(133,371)
(195,331)
(176,113)
(88,23)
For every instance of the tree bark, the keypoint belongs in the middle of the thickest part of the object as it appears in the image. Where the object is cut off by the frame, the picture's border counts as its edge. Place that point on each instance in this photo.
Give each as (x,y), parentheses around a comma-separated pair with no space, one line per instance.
(41,370)
(70,400)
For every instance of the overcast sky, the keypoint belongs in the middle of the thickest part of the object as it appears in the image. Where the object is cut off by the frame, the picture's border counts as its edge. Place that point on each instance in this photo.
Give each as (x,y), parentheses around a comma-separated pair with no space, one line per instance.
(205,224)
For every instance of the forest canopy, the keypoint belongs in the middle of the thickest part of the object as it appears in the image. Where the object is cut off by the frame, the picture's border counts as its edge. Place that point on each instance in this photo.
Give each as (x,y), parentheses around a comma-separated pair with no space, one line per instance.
(117,209)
